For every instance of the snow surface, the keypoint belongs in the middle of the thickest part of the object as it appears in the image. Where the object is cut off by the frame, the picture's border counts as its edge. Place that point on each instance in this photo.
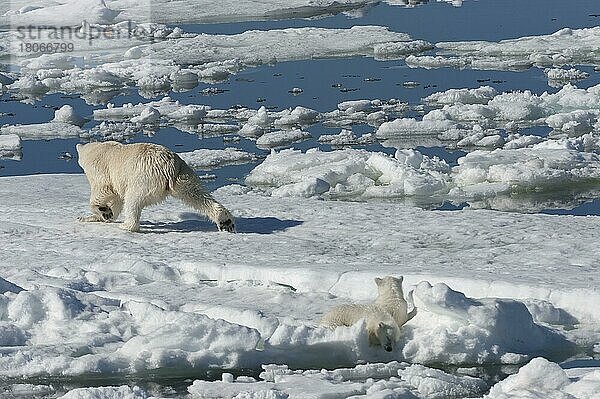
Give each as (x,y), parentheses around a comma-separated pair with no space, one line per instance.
(90,298)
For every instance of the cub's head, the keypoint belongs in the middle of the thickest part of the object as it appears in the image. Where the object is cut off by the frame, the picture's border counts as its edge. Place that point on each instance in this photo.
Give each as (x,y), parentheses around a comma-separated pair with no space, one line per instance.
(386,335)
(390,285)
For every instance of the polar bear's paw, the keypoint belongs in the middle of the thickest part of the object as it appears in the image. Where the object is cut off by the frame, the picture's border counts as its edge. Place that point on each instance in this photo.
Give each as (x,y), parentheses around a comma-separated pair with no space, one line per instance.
(89,218)
(227,225)
(106,212)
(132,226)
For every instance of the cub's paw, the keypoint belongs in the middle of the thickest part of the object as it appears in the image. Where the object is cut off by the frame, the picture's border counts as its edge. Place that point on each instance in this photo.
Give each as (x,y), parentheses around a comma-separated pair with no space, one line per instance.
(227,225)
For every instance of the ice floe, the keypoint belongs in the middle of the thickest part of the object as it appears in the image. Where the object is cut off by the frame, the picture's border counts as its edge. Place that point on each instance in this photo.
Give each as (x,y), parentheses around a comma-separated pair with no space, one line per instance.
(558,77)
(526,164)
(349,173)
(564,47)
(209,159)
(66,114)
(43,131)
(10,146)
(113,302)
(546,165)
(362,381)
(151,112)
(162,11)
(346,138)
(158,68)
(281,138)
(571,110)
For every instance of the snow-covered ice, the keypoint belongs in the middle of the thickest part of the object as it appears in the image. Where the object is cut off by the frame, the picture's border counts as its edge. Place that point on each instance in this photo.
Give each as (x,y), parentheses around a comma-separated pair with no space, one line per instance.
(349,173)
(572,110)
(528,165)
(178,63)
(564,47)
(281,138)
(43,131)
(42,12)
(90,298)
(10,146)
(203,159)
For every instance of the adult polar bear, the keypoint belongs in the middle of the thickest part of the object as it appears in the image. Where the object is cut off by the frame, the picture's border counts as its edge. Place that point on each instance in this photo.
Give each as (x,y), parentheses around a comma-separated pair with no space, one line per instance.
(130,177)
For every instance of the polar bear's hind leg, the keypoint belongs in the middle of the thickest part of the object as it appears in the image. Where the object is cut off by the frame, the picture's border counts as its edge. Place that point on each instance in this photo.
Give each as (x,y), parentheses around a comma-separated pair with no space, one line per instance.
(188,188)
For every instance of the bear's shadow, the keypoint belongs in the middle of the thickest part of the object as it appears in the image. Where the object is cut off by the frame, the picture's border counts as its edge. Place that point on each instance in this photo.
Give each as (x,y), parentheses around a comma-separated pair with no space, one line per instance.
(257,225)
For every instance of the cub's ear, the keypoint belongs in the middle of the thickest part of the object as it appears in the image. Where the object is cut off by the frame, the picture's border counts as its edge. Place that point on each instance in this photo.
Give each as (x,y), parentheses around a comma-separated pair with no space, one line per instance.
(378,281)
(78,147)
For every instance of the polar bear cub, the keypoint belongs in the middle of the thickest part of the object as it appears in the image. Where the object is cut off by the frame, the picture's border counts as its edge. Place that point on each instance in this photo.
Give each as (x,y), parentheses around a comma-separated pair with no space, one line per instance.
(129,177)
(384,316)
(391,298)
(381,327)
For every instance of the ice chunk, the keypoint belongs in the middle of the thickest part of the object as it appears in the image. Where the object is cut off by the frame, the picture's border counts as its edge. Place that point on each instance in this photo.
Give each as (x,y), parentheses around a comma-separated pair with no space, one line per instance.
(122,392)
(10,146)
(410,126)
(483,173)
(480,95)
(148,115)
(389,51)
(493,328)
(352,173)
(42,131)
(70,13)
(346,138)
(209,159)
(281,138)
(66,114)
(538,377)
(564,47)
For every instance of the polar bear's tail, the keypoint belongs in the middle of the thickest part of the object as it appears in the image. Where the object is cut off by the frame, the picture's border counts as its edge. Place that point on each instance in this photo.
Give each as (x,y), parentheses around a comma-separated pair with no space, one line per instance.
(188,188)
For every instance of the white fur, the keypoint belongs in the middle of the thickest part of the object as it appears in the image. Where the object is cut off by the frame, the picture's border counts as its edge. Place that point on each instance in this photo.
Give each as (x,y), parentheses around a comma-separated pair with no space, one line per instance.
(391,298)
(130,177)
(381,327)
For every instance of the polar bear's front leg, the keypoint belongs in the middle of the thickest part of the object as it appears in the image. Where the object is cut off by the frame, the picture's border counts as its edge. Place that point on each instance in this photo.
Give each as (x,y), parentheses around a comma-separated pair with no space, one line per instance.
(104,204)
(133,211)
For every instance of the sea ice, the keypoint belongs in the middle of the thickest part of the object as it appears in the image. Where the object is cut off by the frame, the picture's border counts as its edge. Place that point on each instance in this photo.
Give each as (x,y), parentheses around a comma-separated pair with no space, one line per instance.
(204,159)
(281,138)
(66,114)
(564,47)
(571,109)
(43,131)
(103,309)
(350,173)
(543,166)
(158,67)
(10,146)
